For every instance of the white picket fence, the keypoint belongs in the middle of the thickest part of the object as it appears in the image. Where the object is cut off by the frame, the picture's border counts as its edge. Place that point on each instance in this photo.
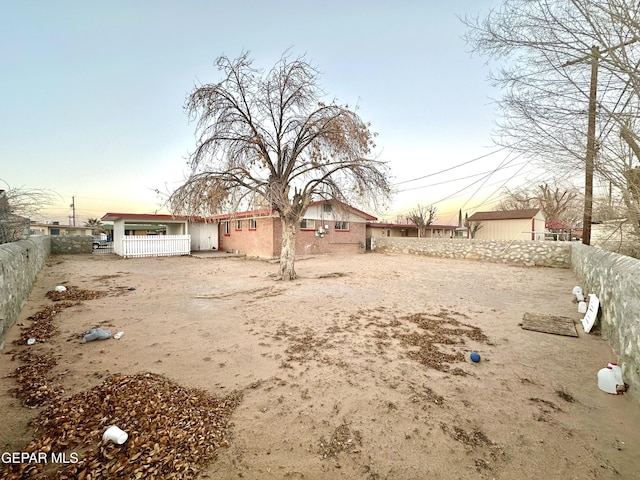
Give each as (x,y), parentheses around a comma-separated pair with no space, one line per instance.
(156,245)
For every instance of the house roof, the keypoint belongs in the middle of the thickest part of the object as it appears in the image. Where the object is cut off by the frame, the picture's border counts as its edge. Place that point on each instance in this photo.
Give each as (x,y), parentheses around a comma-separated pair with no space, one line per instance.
(408,225)
(60,227)
(143,217)
(391,225)
(348,207)
(263,212)
(138,227)
(266,212)
(150,217)
(504,215)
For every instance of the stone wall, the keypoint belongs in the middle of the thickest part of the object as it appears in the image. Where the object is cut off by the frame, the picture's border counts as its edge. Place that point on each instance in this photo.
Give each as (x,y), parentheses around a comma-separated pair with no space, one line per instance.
(71,244)
(20,263)
(615,279)
(520,252)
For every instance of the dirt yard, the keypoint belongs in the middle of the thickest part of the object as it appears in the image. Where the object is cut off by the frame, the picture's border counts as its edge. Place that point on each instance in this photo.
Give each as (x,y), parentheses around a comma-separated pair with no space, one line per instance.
(359,369)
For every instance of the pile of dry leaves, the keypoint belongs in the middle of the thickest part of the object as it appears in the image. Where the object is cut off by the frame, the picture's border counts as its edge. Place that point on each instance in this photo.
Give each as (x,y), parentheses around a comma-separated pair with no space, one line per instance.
(173,431)
(42,327)
(437,331)
(35,384)
(74,293)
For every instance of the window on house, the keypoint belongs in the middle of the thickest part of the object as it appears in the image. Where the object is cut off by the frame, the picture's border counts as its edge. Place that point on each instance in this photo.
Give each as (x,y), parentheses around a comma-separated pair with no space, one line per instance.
(252,224)
(238,224)
(227,229)
(342,225)
(326,208)
(308,224)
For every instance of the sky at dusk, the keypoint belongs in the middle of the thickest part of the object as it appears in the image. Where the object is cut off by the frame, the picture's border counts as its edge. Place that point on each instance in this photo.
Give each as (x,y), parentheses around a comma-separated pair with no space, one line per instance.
(93,92)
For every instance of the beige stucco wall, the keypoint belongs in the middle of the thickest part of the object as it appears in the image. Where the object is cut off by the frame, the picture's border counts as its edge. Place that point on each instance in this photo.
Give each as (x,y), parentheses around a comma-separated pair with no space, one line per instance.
(517,229)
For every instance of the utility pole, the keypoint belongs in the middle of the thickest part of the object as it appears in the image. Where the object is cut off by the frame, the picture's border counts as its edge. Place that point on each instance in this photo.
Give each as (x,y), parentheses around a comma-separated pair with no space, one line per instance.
(591,134)
(73,210)
(591,149)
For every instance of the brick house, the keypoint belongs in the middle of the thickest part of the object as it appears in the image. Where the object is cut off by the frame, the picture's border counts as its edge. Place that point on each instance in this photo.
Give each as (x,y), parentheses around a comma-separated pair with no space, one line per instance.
(327,227)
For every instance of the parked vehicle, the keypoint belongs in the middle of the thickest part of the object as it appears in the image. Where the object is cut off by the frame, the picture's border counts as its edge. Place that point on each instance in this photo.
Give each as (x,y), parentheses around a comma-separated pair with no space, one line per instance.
(99,242)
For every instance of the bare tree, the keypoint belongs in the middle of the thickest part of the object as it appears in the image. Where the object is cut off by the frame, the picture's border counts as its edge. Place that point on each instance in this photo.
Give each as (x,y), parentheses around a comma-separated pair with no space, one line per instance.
(17,205)
(569,70)
(423,217)
(557,203)
(270,137)
(517,199)
(472,227)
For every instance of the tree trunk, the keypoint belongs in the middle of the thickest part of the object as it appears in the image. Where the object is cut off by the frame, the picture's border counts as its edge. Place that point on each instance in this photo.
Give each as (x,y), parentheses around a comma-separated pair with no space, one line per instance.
(288,251)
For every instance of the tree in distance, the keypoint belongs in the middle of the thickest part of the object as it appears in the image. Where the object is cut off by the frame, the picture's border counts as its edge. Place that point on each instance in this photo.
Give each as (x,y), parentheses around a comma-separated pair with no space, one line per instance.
(423,217)
(17,206)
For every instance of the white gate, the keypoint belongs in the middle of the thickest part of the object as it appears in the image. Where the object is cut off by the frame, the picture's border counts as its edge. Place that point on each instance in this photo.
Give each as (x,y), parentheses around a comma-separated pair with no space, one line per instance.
(155,245)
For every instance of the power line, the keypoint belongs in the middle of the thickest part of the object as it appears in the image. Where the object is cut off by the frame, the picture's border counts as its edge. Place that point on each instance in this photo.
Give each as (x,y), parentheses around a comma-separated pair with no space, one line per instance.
(485,178)
(444,182)
(489,176)
(451,168)
(480,179)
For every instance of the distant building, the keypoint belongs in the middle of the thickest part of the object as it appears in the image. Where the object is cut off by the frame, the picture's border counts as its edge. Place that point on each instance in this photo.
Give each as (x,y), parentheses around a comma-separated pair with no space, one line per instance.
(387,229)
(327,227)
(54,228)
(526,224)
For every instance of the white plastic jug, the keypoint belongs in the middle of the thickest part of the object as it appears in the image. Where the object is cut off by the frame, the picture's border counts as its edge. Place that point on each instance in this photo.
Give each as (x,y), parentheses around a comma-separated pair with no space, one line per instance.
(607,380)
(617,371)
(577,291)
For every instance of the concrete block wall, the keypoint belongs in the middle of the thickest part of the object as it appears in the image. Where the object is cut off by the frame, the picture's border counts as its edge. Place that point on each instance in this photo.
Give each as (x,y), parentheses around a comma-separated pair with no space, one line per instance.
(615,279)
(20,263)
(518,252)
(71,244)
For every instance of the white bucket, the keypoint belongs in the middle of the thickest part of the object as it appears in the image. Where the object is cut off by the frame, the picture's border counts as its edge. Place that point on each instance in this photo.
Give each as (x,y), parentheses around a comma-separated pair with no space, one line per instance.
(115,435)
(607,380)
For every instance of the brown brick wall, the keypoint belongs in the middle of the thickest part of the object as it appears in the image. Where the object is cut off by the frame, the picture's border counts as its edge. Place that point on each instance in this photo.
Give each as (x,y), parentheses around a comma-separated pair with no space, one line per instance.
(333,241)
(252,242)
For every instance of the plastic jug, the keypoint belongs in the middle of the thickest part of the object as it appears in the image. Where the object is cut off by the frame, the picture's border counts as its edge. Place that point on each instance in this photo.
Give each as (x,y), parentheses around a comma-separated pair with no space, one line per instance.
(577,291)
(607,381)
(617,371)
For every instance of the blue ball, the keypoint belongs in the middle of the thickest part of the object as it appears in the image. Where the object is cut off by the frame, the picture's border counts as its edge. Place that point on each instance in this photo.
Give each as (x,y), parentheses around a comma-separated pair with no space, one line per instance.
(475,357)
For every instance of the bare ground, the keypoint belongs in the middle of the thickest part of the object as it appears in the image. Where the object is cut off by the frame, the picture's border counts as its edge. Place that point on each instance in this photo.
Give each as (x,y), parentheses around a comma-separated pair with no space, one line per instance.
(358,369)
